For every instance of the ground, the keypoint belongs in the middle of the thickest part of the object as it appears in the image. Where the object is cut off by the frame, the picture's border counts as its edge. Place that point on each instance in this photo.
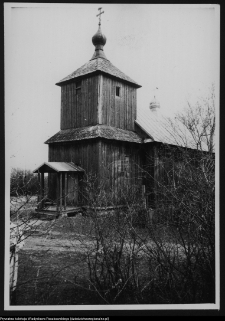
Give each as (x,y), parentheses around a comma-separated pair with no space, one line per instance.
(52,264)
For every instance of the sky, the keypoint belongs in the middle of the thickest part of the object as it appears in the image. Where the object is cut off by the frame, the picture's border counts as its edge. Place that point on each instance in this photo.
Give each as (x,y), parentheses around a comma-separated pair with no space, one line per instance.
(172,47)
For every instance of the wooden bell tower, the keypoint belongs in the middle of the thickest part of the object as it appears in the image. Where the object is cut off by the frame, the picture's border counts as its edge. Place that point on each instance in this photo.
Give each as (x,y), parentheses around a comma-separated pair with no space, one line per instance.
(98,113)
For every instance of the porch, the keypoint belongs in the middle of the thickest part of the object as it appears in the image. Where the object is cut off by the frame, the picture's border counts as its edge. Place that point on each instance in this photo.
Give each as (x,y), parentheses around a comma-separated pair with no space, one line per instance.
(66,201)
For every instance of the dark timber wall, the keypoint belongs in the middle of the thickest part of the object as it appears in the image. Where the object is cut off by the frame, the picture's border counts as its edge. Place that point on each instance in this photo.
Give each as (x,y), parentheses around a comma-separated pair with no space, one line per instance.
(79,109)
(96,103)
(150,163)
(116,164)
(162,165)
(82,153)
(120,166)
(118,111)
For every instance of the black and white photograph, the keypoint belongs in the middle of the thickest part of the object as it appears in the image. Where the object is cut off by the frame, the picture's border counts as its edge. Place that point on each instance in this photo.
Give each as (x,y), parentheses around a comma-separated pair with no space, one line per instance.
(112,144)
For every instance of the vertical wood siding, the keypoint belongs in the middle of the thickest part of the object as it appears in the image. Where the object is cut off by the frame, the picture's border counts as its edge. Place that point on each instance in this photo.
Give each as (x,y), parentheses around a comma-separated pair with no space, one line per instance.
(118,111)
(150,163)
(155,172)
(105,159)
(119,177)
(97,103)
(85,154)
(79,110)
(160,166)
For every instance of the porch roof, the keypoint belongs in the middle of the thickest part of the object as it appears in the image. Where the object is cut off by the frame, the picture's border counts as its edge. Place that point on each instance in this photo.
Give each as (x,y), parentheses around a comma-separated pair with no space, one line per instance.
(56,167)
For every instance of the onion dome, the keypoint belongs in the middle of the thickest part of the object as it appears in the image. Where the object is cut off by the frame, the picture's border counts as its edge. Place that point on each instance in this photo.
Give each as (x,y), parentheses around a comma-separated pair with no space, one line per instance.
(154,104)
(99,40)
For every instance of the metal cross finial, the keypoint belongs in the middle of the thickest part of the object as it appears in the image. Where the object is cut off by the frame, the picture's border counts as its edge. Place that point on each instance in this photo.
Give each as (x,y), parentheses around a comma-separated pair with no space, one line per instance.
(100,15)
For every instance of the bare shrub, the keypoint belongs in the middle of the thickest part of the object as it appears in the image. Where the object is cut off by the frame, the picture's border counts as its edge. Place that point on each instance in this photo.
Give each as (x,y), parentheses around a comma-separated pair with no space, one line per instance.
(114,259)
(185,206)
(170,257)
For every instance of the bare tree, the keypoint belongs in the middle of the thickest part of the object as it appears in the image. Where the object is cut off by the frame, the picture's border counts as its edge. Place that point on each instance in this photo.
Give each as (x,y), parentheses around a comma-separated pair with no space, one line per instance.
(24,188)
(184,189)
(199,119)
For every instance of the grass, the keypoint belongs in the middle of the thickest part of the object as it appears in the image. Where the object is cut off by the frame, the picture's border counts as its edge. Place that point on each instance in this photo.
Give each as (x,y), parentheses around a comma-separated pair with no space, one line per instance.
(53,279)
(49,276)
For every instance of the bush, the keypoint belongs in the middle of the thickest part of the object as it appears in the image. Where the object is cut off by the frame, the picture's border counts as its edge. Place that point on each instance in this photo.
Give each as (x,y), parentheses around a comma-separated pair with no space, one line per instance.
(168,260)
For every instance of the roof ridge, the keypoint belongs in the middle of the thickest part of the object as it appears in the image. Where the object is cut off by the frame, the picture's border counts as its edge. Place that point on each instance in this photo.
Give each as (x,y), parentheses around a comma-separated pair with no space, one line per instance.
(98,64)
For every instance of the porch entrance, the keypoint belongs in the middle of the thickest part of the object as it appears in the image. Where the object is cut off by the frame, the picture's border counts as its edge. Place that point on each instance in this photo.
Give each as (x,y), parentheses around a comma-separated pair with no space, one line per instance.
(65,184)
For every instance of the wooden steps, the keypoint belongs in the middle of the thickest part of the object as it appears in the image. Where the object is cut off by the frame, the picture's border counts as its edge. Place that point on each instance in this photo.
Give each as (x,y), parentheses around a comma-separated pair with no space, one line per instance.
(51,212)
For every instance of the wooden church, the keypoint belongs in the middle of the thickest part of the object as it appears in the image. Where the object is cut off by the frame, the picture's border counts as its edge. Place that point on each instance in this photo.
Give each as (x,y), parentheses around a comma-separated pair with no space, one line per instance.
(100,134)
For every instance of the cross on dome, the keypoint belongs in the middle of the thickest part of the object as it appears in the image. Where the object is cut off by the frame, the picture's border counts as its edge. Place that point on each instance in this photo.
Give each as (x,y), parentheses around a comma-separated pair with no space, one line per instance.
(99,15)
(99,40)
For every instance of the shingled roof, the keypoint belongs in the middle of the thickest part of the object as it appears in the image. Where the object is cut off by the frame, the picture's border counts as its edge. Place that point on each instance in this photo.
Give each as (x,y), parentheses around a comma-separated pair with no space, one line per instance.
(98,64)
(98,131)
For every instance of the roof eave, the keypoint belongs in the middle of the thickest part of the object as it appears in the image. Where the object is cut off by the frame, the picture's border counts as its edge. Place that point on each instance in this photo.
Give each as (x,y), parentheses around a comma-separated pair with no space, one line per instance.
(47,164)
(70,80)
(56,170)
(63,82)
(94,132)
(97,137)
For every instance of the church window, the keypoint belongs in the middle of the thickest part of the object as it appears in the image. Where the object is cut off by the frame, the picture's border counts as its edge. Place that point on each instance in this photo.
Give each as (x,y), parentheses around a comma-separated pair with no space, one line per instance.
(117,91)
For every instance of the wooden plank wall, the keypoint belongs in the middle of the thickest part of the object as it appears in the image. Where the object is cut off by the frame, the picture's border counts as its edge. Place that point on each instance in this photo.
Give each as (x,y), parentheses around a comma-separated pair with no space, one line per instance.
(79,110)
(159,170)
(112,157)
(118,111)
(151,174)
(83,153)
(104,158)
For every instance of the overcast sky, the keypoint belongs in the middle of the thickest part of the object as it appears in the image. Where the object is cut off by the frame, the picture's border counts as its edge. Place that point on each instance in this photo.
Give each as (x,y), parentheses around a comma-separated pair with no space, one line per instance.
(172,47)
